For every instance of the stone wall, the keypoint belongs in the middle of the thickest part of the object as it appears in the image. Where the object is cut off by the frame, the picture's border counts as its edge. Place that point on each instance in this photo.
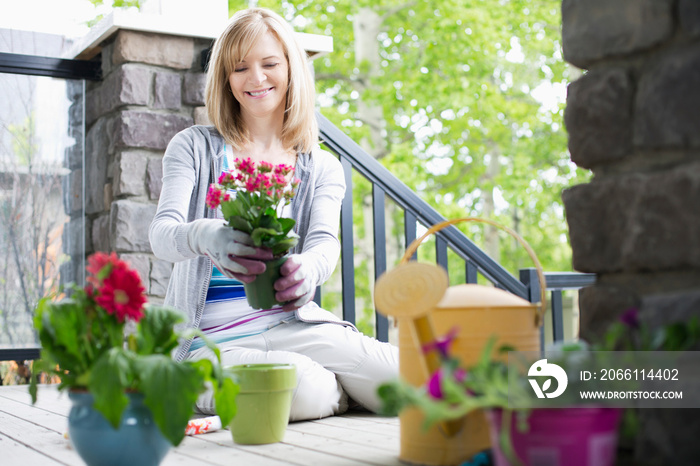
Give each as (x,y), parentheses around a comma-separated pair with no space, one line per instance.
(633,118)
(152,87)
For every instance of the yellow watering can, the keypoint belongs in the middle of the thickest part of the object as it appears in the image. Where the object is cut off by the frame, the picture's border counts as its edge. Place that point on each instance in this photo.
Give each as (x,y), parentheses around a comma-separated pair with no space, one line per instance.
(425,306)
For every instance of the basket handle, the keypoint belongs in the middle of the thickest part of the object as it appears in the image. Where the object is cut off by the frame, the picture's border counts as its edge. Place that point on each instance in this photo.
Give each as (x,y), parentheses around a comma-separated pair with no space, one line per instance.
(411,249)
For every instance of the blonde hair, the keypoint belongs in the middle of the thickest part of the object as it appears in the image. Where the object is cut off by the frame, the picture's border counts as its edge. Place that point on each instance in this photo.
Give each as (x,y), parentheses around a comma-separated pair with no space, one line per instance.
(299,129)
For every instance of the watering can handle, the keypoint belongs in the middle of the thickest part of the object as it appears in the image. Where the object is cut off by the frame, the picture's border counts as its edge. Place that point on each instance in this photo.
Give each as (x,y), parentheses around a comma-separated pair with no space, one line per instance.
(411,249)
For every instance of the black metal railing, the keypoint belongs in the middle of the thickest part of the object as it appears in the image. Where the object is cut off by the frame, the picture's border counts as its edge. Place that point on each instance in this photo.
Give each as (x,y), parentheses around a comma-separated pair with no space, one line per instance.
(416,210)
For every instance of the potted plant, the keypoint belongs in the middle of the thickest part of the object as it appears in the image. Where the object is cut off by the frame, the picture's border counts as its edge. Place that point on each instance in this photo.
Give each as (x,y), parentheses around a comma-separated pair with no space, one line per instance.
(455,391)
(251,197)
(131,400)
(519,421)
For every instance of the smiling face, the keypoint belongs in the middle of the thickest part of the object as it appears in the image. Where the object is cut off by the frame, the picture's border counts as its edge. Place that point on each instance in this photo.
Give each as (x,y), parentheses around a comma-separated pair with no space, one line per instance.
(259,81)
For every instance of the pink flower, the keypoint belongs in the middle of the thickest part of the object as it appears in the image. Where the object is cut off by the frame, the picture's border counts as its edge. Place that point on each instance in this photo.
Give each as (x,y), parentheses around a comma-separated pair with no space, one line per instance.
(442,345)
(96,263)
(245,165)
(631,318)
(265,167)
(226,177)
(115,287)
(214,196)
(252,185)
(265,182)
(283,169)
(434,385)
(279,180)
(122,294)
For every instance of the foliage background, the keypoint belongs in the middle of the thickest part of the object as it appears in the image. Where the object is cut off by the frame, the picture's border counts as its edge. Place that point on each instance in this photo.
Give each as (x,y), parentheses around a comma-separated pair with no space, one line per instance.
(463,101)
(460,99)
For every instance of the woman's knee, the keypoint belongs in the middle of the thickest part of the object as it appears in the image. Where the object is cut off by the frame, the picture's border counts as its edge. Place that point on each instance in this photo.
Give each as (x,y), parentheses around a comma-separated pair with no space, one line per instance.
(318,393)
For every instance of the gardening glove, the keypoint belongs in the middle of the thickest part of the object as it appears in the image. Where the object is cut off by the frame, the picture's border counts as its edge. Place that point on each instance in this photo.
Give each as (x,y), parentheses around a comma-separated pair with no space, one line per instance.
(230,250)
(296,286)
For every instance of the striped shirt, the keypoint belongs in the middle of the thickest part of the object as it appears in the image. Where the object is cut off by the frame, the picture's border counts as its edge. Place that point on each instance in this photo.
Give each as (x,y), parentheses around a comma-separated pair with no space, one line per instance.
(227,315)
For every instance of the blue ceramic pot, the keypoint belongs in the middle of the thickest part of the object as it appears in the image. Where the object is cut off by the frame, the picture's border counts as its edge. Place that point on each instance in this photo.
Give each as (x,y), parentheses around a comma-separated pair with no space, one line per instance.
(137,441)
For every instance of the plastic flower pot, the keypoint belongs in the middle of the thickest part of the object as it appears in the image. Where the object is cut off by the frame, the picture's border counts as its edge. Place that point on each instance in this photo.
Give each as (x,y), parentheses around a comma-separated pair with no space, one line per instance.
(264,402)
(581,436)
(260,293)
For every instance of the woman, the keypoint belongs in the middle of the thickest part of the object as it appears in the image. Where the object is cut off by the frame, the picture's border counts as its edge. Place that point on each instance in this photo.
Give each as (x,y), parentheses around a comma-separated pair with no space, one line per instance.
(260,98)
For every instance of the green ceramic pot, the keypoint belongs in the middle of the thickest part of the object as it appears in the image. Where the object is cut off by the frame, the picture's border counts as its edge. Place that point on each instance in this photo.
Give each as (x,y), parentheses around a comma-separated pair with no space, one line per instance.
(264,402)
(260,293)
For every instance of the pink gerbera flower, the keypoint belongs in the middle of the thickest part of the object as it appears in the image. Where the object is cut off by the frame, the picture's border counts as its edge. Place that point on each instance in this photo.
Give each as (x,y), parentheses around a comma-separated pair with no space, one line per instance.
(122,294)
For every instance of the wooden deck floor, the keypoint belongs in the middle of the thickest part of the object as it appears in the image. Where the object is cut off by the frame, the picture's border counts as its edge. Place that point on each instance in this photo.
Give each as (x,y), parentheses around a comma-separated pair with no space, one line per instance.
(36,435)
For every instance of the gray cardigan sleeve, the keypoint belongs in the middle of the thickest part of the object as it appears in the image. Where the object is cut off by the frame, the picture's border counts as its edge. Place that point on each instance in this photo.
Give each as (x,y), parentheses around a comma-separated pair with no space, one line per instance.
(185,182)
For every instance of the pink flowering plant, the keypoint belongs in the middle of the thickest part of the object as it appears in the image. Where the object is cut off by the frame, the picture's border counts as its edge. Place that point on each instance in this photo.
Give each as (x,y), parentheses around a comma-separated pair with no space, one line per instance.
(629,333)
(250,197)
(85,343)
(453,390)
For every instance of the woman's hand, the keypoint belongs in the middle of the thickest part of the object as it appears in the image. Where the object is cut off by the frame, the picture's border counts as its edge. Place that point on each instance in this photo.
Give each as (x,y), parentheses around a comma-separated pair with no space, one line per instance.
(295,287)
(231,251)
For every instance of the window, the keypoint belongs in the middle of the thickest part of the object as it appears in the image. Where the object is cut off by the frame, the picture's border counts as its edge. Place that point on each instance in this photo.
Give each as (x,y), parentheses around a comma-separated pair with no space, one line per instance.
(42,222)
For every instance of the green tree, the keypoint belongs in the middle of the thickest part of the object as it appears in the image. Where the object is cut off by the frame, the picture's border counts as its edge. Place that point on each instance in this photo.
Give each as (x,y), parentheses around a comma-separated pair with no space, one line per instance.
(450,95)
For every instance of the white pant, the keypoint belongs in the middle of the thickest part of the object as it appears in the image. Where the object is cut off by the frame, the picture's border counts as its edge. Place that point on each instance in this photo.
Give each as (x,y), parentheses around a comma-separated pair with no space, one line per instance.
(332,362)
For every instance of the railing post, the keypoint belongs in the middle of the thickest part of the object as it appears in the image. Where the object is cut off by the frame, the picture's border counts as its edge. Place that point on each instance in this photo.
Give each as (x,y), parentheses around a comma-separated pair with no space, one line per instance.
(348,250)
(409,229)
(378,201)
(470,272)
(531,281)
(317,296)
(441,251)
(557,316)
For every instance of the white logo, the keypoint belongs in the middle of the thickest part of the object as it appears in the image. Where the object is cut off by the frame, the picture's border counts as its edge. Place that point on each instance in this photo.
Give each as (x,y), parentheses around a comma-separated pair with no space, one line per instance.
(543,368)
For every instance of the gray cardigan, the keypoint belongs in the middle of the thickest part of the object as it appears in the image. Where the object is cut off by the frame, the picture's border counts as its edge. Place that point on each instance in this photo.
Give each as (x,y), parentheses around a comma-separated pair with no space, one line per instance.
(192,161)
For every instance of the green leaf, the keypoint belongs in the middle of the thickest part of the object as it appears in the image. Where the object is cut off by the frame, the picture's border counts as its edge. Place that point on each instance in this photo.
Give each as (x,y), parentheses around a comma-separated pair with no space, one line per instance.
(393,399)
(259,235)
(171,390)
(284,245)
(110,376)
(154,331)
(271,222)
(287,224)
(62,329)
(230,208)
(225,399)
(240,223)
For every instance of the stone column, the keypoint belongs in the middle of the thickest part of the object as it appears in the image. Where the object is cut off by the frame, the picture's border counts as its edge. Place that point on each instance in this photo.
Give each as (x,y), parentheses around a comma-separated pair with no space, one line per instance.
(152,88)
(633,118)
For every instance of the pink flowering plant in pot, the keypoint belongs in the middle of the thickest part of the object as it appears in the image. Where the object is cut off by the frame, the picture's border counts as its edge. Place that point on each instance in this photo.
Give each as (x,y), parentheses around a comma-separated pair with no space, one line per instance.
(251,198)
(85,342)
(491,384)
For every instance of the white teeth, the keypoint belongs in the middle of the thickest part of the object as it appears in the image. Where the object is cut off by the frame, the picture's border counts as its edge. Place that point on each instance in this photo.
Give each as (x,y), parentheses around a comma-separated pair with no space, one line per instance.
(255,94)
